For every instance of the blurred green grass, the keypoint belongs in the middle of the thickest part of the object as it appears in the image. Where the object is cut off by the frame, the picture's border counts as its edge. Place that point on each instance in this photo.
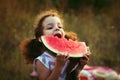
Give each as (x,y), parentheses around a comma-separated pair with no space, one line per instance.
(97,24)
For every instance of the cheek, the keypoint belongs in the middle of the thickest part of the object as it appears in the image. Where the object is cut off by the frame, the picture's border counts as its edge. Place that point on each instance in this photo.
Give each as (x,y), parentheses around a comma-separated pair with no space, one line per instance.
(48,32)
(63,32)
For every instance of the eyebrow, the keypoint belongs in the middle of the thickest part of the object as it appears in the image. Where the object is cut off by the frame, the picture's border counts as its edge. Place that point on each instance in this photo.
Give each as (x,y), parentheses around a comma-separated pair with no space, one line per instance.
(52,24)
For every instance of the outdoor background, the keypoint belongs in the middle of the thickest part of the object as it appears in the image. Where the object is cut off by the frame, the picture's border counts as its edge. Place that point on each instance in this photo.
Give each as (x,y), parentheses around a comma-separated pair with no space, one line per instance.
(96,22)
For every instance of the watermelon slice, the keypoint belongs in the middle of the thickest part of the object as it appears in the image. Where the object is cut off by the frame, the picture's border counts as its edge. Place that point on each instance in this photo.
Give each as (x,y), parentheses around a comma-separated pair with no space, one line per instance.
(62,45)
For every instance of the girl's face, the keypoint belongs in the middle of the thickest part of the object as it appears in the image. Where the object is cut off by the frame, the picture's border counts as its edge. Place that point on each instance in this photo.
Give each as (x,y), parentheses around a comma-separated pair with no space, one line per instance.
(52,26)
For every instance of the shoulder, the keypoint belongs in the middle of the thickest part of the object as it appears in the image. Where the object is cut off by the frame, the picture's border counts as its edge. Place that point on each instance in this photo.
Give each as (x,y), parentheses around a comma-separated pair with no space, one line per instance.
(45,59)
(46,56)
(41,70)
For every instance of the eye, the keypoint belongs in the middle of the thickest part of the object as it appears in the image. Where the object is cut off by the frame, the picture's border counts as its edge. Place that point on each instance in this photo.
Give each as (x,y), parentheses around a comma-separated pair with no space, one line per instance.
(50,27)
(59,26)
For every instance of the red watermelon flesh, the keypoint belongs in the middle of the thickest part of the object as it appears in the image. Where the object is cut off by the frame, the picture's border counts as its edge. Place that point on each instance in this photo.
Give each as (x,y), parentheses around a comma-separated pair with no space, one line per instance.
(62,45)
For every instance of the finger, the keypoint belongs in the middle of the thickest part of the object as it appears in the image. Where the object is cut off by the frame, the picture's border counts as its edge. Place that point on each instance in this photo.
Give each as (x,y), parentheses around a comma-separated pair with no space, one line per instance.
(63,55)
(67,55)
(88,55)
(39,39)
(60,54)
(88,50)
(85,57)
(83,62)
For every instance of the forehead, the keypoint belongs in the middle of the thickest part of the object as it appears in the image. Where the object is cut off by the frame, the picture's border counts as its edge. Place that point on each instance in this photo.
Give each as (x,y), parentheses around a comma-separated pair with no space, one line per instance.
(51,19)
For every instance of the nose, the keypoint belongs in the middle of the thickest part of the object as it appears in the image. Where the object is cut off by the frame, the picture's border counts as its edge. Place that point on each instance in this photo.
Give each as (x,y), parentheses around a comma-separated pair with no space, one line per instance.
(56,28)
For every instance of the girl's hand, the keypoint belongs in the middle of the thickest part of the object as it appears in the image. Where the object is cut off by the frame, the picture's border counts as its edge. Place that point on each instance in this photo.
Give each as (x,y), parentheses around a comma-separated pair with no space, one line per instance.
(83,61)
(61,59)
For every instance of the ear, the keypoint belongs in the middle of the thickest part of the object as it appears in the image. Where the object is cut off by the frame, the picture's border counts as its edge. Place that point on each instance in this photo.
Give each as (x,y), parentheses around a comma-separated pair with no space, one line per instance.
(39,39)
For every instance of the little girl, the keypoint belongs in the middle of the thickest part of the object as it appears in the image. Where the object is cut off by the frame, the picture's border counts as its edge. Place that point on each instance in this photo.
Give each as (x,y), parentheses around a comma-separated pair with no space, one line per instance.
(48,65)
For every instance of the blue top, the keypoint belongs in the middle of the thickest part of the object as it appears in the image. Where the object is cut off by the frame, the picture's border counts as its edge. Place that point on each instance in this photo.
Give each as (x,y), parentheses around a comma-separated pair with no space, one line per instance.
(49,62)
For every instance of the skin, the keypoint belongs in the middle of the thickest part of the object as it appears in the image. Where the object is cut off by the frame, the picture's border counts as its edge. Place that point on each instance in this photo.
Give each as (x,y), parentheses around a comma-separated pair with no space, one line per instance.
(52,26)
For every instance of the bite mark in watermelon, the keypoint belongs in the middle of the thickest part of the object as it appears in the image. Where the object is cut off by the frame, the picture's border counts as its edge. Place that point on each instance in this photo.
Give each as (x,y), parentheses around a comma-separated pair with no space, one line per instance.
(62,45)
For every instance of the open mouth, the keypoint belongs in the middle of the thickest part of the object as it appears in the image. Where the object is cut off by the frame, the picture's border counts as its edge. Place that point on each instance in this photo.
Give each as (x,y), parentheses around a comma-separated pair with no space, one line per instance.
(58,35)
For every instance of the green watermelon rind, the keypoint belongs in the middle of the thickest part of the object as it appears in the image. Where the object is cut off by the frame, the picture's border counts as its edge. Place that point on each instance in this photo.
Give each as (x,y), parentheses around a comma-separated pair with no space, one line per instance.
(75,55)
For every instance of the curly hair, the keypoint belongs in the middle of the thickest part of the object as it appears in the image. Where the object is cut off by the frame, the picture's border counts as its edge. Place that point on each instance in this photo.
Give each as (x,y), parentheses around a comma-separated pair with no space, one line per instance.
(32,48)
(39,20)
